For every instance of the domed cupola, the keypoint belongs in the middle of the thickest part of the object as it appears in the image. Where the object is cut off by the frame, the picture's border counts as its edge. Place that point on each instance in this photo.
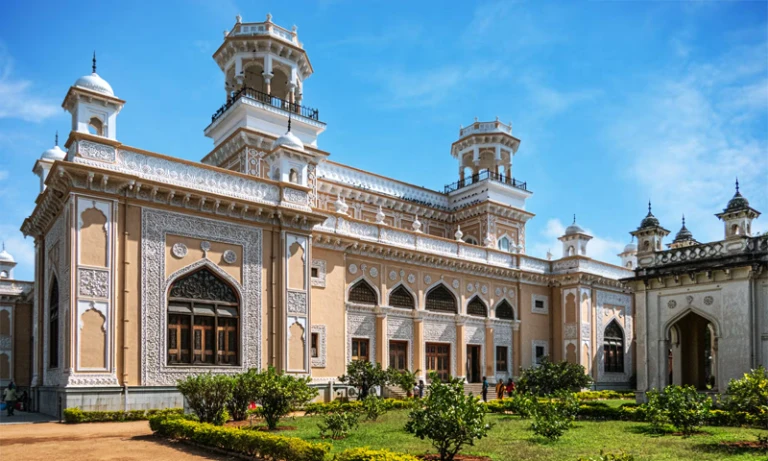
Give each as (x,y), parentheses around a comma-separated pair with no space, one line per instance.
(7,263)
(55,152)
(629,255)
(94,83)
(738,216)
(649,236)
(683,238)
(44,164)
(289,140)
(575,240)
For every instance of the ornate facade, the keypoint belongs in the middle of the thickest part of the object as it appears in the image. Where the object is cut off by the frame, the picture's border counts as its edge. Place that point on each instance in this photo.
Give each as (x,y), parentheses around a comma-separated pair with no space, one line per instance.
(151,268)
(702,308)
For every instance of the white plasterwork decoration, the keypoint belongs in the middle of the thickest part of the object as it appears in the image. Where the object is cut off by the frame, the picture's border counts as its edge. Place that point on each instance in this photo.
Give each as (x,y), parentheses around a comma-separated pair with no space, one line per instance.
(624,302)
(442,331)
(156,225)
(94,283)
(401,329)
(297,302)
(58,265)
(361,325)
(320,265)
(536,297)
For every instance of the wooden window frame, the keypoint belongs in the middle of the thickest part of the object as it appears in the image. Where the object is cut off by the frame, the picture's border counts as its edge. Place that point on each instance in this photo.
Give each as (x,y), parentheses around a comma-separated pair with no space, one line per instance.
(355,349)
(502,364)
(404,345)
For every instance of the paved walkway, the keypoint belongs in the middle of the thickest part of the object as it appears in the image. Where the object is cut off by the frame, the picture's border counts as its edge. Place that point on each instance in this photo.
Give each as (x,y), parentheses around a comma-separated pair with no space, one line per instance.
(24,417)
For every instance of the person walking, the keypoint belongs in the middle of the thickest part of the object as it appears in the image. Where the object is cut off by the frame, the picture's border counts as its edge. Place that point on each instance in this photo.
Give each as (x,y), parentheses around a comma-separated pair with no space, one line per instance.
(9,396)
(510,387)
(421,388)
(485,389)
(500,389)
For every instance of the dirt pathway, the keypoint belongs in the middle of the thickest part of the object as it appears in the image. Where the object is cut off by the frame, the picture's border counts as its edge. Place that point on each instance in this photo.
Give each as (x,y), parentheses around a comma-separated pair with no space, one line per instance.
(97,441)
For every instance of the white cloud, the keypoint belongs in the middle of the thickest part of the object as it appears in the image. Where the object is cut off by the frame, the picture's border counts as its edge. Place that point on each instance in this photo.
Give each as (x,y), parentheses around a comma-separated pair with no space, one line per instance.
(17,98)
(548,101)
(599,248)
(688,136)
(3,174)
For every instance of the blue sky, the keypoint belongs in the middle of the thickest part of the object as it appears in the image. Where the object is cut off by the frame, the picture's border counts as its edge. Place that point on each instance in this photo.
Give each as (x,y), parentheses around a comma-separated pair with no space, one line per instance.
(615,102)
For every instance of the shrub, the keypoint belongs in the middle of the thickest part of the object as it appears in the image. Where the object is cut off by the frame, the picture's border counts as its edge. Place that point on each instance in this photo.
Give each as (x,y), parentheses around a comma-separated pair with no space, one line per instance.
(76,415)
(243,393)
(403,379)
(373,407)
(605,395)
(749,393)
(338,424)
(365,454)
(207,395)
(554,416)
(278,393)
(549,378)
(682,406)
(364,376)
(448,418)
(243,441)
(522,404)
(610,457)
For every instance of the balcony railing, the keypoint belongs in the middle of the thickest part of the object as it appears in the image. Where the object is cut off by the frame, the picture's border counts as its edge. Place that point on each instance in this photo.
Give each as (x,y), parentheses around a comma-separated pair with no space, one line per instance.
(268,99)
(486,127)
(482,176)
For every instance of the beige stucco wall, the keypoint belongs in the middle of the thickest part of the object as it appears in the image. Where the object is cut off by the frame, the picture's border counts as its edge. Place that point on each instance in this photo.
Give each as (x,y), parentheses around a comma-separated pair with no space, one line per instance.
(195,253)
(328,309)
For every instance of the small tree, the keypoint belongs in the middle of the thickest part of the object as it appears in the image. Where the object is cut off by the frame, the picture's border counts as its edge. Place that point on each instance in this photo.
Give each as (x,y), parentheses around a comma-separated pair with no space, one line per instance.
(373,407)
(682,406)
(522,404)
(548,378)
(403,379)
(364,376)
(243,393)
(207,395)
(552,417)
(448,418)
(750,393)
(338,424)
(278,393)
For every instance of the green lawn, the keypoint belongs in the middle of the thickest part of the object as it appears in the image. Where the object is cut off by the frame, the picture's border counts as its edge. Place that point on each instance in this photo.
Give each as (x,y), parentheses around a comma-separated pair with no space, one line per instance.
(511,440)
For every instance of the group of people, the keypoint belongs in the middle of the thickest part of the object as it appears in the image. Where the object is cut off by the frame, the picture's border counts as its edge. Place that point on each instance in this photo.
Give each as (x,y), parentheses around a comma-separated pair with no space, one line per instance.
(418,389)
(501,388)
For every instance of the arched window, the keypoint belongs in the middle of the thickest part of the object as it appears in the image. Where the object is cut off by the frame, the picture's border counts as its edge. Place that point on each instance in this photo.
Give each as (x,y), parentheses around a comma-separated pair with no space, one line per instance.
(471,240)
(3,274)
(293,176)
(53,325)
(203,314)
(735,229)
(629,264)
(363,293)
(477,307)
(95,126)
(504,244)
(441,299)
(571,251)
(400,297)
(505,311)
(613,349)
(646,245)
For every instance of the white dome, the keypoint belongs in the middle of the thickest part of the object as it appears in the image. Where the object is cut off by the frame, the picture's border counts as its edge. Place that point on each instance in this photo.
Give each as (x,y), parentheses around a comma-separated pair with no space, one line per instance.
(574,229)
(95,83)
(630,247)
(289,140)
(6,257)
(53,154)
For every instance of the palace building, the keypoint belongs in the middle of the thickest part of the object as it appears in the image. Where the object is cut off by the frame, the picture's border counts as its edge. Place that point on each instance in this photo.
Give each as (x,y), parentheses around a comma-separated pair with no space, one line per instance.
(151,268)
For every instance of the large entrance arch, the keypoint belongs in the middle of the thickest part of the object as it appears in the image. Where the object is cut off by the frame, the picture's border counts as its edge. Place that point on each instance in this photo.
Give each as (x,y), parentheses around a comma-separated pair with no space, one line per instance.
(692,351)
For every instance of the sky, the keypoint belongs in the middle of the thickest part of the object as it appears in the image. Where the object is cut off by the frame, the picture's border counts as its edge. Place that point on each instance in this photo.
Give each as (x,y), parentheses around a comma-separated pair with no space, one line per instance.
(615,102)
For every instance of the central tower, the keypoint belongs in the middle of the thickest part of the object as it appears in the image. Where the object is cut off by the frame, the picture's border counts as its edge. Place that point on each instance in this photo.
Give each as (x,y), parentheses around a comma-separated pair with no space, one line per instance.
(264,68)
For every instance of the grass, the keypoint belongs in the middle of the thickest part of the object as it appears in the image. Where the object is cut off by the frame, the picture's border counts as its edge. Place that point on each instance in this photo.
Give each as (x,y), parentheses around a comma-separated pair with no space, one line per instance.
(511,440)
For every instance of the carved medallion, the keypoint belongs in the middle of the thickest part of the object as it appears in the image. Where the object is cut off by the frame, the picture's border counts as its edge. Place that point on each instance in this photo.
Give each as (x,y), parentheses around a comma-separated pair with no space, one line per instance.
(205,246)
(672,304)
(498,291)
(230,257)
(374,272)
(392,275)
(427,279)
(484,289)
(708,300)
(455,283)
(353,269)
(689,299)
(179,250)
(470,287)
(411,278)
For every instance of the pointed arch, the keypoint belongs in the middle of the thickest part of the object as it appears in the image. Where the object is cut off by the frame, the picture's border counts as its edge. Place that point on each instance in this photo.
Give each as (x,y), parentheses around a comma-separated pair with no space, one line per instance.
(613,348)
(505,243)
(505,310)
(361,292)
(440,298)
(53,323)
(402,297)
(203,316)
(680,315)
(477,307)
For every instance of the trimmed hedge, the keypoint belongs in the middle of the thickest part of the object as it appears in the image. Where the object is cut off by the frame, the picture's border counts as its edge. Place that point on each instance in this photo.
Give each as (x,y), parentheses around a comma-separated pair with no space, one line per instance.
(76,415)
(605,395)
(243,441)
(365,454)
(357,405)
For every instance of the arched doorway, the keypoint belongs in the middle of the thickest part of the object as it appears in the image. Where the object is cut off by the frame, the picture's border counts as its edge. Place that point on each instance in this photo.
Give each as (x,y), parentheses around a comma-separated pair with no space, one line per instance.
(692,352)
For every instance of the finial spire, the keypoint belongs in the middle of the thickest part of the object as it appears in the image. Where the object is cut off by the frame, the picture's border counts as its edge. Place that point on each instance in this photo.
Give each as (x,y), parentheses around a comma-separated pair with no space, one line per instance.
(289,121)
(57,137)
(683,219)
(574,218)
(737,185)
(649,206)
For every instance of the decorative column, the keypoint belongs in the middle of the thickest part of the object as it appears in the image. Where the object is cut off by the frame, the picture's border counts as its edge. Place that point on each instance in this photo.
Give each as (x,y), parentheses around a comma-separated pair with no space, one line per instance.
(508,172)
(490,352)
(461,349)
(381,338)
(239,76)
(517,341)
(267,81)
(418,345)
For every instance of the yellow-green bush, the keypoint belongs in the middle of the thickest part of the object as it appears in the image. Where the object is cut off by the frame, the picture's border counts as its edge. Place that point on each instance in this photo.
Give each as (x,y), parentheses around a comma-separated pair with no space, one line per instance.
(76,415)
(248,442)
(365,454)
(605,395)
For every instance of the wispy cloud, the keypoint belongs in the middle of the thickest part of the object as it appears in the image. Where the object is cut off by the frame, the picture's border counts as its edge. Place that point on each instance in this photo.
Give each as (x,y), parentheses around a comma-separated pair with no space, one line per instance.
(17,100)
(690,134)
(401,32)
(599,248)
(548,100)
